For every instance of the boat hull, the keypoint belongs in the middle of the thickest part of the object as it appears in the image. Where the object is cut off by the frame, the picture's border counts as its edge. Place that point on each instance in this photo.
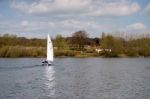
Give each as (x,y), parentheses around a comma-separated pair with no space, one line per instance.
(46,63)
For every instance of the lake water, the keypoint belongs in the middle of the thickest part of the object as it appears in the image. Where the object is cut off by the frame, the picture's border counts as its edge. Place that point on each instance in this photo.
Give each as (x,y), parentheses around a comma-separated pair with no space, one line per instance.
(75,78)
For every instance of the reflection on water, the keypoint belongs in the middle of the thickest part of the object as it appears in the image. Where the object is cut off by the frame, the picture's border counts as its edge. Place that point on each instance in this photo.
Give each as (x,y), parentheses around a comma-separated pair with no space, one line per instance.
(75,78)
(50,82)
(98,78)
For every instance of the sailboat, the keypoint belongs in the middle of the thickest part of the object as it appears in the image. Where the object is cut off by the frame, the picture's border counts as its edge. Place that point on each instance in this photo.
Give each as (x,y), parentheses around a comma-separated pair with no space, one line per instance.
(50,53)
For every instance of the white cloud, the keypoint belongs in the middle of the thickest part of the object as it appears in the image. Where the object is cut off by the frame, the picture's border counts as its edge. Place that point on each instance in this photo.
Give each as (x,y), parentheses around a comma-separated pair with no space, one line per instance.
(116,9)
(49,6)
(75,24)
(79,7)
(62,26)
(147,9)
(136,26)
(40,28)
(24,23)
(69,24)
(65,27)
(21,6)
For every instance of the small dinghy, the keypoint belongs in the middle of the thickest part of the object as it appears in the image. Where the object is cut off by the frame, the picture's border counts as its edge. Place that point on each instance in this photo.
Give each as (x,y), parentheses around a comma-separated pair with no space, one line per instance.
(50,53)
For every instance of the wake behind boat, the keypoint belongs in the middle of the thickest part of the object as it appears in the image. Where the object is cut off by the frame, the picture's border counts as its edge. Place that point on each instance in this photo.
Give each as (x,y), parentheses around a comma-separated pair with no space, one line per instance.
(50,53)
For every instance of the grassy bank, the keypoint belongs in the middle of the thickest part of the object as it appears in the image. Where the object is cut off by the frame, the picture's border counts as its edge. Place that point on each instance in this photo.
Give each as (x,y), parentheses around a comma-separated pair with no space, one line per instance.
(21,51)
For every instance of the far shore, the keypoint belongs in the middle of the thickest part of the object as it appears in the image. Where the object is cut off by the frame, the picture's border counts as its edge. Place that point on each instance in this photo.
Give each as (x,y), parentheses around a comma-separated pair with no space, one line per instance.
(78,46)
(80,56)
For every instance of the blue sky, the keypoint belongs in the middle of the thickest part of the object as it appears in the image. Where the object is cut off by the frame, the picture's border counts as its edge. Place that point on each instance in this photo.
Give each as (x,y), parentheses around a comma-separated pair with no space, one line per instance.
(37,18)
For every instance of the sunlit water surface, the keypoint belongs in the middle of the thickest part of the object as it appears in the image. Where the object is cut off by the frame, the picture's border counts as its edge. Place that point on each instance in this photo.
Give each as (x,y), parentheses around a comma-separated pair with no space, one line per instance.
(75,78)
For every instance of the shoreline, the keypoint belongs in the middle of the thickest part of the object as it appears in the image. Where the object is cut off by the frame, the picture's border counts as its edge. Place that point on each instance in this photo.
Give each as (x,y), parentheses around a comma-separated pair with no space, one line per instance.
(83,57)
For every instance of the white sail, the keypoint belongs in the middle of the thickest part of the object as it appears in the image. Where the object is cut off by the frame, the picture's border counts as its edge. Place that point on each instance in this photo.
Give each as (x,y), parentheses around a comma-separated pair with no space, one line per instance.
(50,53)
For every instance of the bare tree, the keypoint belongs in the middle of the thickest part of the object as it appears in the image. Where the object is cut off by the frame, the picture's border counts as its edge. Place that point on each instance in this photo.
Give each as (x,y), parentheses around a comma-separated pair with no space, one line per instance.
(79,39)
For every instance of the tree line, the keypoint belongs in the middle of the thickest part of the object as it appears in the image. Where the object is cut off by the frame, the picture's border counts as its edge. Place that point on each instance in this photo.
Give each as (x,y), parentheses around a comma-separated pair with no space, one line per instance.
(78,44)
